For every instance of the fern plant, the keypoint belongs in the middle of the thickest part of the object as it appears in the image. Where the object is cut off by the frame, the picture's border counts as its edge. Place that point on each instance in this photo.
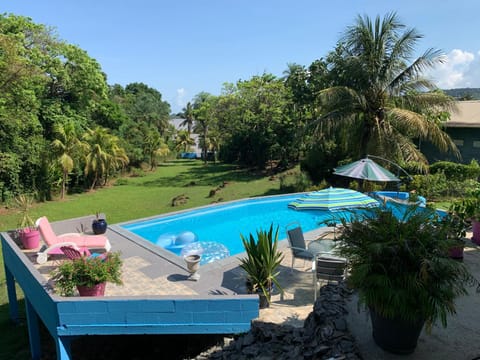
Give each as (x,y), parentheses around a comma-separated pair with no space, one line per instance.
(400,266)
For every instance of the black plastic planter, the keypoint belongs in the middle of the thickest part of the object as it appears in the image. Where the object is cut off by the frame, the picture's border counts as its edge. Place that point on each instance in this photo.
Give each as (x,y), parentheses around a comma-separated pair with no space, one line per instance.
(395,335)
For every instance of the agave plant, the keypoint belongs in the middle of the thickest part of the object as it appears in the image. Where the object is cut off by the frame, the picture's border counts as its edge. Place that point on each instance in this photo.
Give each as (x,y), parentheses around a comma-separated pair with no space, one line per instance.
(263,259)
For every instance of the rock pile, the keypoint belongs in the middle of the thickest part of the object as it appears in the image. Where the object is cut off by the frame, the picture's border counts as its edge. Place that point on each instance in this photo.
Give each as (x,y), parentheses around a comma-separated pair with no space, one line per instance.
(324,335)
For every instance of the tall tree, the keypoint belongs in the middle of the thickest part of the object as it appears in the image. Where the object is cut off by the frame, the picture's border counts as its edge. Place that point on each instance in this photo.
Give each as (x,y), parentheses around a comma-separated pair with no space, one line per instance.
(67,146)
(103,154)
(187,115)
(255,122)
(154,147)
(145,104)
(378,98)
(204,107)
(183,141)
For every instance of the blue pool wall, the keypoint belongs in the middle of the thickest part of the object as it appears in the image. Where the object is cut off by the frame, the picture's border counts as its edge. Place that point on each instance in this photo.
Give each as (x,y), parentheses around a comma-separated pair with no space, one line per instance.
(400,195)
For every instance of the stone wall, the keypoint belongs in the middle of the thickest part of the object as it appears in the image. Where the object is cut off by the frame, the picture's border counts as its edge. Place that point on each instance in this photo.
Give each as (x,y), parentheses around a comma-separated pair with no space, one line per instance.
(325,335)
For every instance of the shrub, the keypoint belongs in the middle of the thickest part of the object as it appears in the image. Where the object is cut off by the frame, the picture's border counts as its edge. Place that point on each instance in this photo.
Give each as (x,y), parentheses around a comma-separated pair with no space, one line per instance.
(320,160)
(295,181)
(136,172)
(121,181)
(455,171)
(401,267)
(431,185)
(87,271)
(437,186)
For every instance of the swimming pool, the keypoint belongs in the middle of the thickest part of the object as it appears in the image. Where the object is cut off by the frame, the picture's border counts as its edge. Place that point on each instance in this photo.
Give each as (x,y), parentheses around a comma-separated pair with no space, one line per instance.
(223,223)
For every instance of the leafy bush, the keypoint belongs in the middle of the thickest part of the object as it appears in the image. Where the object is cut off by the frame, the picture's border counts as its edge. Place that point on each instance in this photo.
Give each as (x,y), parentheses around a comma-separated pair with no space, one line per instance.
(136,172)
(431,185)
(434,186)
(455,171)
(400,266)
(87,271)
(321,159)
(121,181)
(295,181)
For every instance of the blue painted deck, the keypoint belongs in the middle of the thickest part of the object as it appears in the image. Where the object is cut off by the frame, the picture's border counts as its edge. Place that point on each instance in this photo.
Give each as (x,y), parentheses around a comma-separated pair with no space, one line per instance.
(69,317)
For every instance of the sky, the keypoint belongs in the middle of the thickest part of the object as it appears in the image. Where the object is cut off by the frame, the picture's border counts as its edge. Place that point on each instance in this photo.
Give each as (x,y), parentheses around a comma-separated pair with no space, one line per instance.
(184,47)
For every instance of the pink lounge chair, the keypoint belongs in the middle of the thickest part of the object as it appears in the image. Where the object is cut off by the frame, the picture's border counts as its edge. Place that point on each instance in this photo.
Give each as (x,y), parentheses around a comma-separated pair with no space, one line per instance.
(73,253)
(78,241)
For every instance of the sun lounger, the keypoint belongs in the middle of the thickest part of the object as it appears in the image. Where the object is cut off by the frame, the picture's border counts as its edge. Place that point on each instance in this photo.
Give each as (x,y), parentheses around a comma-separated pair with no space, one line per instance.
(54,242)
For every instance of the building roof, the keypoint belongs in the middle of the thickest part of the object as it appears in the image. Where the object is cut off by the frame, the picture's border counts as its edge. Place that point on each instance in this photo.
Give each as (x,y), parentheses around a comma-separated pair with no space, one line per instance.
(176,122)
(468,115)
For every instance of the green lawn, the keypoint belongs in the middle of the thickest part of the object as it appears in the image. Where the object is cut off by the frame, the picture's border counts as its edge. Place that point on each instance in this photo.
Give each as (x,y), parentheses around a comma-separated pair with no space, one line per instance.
(137,197)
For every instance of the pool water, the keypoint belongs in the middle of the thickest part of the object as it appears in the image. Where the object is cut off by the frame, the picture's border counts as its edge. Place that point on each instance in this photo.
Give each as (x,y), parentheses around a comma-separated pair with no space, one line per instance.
(224,223)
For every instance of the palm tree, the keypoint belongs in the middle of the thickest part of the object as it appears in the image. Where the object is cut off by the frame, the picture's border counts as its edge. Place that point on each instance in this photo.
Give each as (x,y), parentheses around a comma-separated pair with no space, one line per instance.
(154,147)
(203,110)
(67,146)
(378,102)
(96,157)
(117,157)
(103,154)
(187,114)
(183,141)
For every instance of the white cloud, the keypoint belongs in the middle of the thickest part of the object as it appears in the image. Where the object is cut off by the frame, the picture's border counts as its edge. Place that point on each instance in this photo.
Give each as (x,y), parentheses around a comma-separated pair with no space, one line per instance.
(460,69)
(459,57)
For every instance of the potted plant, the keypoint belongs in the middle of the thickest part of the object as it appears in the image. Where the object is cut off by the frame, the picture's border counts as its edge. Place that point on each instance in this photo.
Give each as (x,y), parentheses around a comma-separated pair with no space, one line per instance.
(88,274)
(99,224)
(472,211)
(402,272)
(28,232)
(456,229)
(261,263)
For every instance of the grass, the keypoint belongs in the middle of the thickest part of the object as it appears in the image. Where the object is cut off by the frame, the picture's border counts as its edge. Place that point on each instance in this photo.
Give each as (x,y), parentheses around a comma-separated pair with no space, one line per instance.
(152,194)
(136,197)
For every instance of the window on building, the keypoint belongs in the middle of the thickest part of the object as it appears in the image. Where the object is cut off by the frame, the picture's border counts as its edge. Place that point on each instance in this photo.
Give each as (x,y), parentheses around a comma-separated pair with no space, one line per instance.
(476,144)
(458,142)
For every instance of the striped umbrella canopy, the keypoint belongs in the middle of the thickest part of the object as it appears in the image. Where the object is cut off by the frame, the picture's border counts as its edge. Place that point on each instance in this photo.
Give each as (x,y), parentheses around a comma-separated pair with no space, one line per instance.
(365,169)
(333,199)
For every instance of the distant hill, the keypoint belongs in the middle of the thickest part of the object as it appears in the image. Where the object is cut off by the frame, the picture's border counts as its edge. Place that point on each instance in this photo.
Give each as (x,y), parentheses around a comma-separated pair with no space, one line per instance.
(464,93)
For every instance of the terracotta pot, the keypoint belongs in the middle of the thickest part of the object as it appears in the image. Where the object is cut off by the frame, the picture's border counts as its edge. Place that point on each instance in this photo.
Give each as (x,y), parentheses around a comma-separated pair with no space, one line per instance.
(96,290)
(456,252)
(30,238)
(476,232)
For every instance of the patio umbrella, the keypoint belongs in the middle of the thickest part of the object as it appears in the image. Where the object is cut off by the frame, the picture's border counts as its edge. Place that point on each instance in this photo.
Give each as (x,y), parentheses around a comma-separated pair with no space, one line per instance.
(365,169)
(333,199)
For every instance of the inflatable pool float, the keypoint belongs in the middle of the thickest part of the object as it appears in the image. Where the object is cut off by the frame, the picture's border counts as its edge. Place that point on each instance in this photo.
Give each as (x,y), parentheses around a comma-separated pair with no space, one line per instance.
(209,250)
(176,242)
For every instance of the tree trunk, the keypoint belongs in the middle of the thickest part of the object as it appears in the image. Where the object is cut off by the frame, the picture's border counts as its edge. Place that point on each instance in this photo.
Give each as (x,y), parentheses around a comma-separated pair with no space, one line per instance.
(95,178)
(64,185)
